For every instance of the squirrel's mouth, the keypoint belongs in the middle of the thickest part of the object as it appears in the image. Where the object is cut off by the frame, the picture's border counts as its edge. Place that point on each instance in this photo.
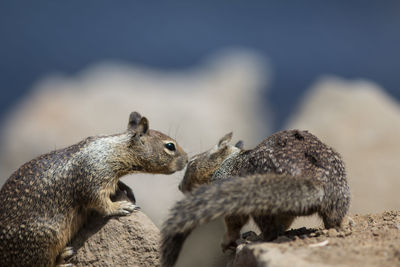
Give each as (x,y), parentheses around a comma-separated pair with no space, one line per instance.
(136,168)
(170,171)
(181,164)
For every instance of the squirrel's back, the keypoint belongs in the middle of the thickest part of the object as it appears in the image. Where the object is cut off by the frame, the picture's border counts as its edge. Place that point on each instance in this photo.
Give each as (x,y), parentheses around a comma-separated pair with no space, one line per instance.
(40,202)
(292,152)
(29,188)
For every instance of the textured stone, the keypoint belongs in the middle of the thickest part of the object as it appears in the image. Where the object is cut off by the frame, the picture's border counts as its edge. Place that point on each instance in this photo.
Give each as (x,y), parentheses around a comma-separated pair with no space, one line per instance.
(266,255)
(131,240)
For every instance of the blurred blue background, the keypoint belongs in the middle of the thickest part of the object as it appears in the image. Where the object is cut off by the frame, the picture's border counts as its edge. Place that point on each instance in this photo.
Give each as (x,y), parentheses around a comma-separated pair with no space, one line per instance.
(301,40)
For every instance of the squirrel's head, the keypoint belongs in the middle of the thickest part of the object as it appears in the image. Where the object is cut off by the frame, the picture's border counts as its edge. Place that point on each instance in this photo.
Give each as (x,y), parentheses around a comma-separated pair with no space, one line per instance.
(201,167)
(152,151)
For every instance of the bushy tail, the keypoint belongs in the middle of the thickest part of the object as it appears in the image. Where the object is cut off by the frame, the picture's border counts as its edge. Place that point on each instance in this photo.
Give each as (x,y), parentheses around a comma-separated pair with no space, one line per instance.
(257,194)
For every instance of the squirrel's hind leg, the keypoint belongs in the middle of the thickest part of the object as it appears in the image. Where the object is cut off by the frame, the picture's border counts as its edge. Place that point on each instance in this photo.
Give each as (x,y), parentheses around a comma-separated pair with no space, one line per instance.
(332,219)
(233,224)
(333,213)
(273,226)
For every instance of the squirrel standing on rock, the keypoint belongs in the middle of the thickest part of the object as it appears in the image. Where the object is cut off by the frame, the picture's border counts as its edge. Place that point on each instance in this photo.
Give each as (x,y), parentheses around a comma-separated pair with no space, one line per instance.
(291,173)
(46,201)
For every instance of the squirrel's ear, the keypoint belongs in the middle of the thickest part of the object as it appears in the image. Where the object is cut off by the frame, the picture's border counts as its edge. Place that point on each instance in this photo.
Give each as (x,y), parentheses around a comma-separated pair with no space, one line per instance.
(143,126)
(223,142)
(134,119)
(239,144)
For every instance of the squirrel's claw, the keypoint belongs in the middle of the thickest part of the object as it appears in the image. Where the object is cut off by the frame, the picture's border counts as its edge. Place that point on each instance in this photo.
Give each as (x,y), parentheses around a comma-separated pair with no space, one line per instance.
(67,252)
(125,207)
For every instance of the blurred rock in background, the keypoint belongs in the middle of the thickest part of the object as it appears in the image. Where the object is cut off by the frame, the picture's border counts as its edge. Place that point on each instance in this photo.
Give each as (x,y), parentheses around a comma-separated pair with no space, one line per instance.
(362,122)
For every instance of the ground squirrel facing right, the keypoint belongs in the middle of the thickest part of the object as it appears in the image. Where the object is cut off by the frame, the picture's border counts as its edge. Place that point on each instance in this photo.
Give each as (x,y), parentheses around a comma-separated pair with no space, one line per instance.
(291,173)
(47,200)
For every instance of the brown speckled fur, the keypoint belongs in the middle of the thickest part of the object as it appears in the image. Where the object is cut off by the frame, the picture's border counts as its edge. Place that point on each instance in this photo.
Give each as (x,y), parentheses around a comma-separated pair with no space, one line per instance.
(291,173)
(45,202)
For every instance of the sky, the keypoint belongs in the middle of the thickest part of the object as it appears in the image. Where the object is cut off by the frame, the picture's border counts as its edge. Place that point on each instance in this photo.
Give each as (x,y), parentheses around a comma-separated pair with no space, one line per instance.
(301,40)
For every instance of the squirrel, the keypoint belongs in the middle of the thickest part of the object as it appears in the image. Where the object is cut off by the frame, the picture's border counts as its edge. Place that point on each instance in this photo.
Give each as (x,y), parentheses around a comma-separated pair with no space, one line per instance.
(47,200)
(291,173)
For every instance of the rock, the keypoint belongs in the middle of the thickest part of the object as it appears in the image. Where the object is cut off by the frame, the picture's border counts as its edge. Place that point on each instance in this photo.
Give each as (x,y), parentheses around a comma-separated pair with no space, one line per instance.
(341,234)
(131,240)
(266,255)
(244,257)
(348,232)
(375,232)
(369,245)
(282,239)
(332,232)
(320,244)
(313,234)
(351,222)
(387,218)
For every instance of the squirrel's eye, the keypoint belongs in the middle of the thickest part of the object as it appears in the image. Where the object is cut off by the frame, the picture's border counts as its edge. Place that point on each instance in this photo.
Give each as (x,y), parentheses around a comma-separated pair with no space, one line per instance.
(170,146)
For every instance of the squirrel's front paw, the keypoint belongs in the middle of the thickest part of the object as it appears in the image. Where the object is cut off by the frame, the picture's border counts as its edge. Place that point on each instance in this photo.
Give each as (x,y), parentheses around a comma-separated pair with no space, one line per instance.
(66,253)
(124,208)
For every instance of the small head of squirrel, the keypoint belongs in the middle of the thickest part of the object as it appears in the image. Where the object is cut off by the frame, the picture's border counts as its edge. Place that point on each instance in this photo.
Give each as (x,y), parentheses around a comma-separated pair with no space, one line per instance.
(201,167)
(158,152)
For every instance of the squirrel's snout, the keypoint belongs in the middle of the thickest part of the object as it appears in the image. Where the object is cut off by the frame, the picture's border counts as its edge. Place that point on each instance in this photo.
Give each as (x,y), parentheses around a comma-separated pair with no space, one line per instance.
(181,163)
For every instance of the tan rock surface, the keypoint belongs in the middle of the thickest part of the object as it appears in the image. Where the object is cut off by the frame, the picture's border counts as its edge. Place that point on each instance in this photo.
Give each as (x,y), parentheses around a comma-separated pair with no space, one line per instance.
(131,240)
(365,240)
